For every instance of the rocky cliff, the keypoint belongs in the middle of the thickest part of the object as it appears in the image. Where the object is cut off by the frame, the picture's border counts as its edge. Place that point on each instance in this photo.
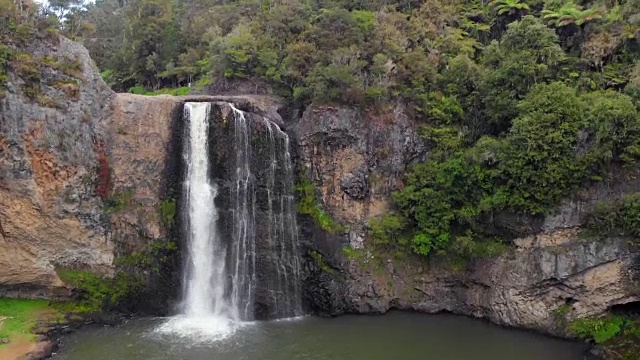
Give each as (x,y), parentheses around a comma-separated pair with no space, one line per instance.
(50,213)
(556,274)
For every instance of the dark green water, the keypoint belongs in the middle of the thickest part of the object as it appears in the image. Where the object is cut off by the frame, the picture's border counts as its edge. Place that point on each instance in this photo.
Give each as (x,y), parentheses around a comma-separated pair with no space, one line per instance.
(393,336)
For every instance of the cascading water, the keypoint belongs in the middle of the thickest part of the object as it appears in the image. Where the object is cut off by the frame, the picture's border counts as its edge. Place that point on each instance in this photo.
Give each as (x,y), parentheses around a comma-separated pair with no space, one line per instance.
(254,260)
(204,281)
(267,151)
(243,256)
(282,228)
(206,313)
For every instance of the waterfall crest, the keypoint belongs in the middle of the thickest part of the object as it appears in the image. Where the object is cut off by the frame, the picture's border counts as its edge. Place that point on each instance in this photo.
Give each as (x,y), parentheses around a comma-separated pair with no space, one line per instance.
(243,260)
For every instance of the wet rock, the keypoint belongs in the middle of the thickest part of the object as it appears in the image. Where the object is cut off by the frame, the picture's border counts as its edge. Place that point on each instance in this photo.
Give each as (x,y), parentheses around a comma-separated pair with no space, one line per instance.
(597,352)
(356,185)
(43,350)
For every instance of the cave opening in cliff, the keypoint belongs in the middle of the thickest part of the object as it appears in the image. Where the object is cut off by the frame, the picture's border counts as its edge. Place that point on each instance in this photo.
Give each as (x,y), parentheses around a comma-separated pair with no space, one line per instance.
(631,308)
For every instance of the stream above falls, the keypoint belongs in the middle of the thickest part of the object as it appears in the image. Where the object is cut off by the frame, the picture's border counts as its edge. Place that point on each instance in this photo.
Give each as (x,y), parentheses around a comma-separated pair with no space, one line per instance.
(397,335)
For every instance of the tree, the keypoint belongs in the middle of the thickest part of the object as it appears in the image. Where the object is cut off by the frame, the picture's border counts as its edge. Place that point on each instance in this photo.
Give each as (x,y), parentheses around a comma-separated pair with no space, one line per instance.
(570,13)
(150,42)
(527,54)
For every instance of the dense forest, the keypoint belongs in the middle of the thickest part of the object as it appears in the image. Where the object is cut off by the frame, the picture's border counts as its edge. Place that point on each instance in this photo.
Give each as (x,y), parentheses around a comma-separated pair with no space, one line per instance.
(522,102)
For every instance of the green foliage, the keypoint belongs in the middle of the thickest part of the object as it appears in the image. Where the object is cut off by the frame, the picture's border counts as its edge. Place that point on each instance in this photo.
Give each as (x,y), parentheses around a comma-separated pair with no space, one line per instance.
(152,259)
(321,262)
(541,160)
(387,229)
(526,55)
(140,90)
(365,53)
(617,125)
(307,205)
(602,329)
(168,212)
(621,216)
(560,314)
(351,253)
(509,6)
(571,13)
(98,293)
(559,142)
(20,316)
(118,201)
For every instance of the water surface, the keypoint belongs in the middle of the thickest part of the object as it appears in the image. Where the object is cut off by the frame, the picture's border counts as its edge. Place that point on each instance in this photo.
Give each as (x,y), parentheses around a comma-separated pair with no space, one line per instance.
(395,336)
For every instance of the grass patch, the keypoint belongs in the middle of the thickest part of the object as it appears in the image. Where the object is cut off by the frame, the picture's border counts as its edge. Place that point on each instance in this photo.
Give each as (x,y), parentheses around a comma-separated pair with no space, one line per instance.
(21,316)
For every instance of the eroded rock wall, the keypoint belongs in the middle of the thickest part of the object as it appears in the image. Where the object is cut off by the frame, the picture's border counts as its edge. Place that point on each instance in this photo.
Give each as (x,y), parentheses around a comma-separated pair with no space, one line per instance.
(49,210)
(357,159)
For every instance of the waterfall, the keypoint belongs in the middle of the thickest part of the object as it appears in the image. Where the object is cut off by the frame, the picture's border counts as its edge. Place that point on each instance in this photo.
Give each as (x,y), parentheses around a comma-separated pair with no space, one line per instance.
(243,259)
(204,281)
(282,228)
(280,233)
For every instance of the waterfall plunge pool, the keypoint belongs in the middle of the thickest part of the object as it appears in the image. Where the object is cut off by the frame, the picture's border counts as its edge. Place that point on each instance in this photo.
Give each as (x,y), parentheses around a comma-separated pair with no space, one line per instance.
(397,335)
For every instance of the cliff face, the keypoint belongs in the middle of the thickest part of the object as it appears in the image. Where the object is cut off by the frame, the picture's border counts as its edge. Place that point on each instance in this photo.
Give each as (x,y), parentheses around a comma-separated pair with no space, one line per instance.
(356,160)
(50,213)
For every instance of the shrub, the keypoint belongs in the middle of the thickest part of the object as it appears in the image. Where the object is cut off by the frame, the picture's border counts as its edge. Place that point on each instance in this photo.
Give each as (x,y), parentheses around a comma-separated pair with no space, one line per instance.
(620,215)
(387,229)
(97,293)
(168,212)
(602,329)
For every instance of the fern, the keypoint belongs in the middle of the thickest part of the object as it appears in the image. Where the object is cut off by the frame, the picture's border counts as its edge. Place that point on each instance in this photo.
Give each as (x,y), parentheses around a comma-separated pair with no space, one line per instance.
(509,6)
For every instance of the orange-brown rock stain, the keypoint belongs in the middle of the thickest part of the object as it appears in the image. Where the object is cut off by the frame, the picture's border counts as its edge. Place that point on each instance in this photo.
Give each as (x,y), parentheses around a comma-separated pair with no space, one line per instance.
(49,175)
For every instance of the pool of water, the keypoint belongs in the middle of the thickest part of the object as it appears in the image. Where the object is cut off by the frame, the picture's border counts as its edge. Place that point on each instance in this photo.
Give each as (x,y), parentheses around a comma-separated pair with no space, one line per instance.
(401,336)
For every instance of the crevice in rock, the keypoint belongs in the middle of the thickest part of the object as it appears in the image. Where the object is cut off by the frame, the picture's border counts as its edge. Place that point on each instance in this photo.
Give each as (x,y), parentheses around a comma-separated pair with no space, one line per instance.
(2,233)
